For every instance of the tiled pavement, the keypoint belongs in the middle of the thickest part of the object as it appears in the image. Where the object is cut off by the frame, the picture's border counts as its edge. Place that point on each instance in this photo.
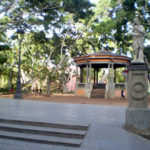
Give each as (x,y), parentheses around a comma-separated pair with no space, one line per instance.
(105,133)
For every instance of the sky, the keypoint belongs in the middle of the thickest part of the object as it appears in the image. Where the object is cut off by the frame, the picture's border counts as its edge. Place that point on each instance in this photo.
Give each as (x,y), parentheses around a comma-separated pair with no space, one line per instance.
(94,1)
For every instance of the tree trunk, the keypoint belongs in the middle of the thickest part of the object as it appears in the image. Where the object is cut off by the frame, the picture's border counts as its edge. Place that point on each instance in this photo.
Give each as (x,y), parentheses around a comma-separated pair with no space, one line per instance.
(64,87)
(48,90)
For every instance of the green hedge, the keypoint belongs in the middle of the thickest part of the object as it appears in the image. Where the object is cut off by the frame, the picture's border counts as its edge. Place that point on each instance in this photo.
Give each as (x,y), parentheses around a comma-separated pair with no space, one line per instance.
(4,90)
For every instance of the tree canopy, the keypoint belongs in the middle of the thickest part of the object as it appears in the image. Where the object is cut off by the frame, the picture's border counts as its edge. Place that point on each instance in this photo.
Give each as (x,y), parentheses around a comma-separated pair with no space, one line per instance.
(54,31)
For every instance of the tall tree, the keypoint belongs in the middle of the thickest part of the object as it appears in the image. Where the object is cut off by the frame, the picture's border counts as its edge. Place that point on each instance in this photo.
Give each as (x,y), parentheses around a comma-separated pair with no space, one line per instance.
(114,22)
(37,19)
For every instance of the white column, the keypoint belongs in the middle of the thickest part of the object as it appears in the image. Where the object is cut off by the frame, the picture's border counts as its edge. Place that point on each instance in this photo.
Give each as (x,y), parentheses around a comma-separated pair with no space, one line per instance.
(108,73)
(76,73)
(126,79)
(87,72)
(90,73)
(112,73)
(76,84)
(110,90)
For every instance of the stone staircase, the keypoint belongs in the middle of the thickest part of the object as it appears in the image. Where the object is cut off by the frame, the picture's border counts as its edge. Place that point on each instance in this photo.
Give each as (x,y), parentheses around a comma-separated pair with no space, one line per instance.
(98,93)
(42,132)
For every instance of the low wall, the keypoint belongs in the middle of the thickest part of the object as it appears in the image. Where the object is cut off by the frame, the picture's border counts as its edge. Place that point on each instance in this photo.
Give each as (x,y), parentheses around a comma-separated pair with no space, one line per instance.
(118,93)
(80,92)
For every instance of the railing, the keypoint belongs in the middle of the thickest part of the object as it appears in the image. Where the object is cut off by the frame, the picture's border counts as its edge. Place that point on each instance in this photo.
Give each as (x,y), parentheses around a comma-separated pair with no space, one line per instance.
(81,85)
(120,85)
(103,85)
(99,86)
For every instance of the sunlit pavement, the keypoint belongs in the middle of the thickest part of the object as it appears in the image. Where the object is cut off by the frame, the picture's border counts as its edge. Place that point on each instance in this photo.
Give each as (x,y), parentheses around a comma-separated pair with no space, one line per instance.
(105,133)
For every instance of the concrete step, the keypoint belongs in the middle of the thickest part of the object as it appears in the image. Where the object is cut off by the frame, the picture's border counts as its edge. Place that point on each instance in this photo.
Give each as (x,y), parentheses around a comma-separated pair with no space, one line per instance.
(41,139)
(97,95)
(45,124)
(59,132)
(97,91)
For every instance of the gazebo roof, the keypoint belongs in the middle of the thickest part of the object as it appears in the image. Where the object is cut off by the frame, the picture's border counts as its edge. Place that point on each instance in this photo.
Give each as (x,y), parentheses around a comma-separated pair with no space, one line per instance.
(102,57)
(101,53)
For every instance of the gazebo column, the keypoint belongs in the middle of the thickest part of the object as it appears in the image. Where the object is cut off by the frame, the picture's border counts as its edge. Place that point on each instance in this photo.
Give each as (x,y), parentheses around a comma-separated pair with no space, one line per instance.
(77,73)
(81,74)
(126,83)
(76,84)
(90,72)
(115,74)
(87,72)
(112,72)
(110,88)
(97,75)
(126,79)
(94,76)
(88,84)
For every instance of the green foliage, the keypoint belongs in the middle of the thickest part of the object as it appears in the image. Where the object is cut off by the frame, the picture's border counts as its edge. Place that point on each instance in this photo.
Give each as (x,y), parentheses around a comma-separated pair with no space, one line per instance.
(3,59)
(4,47)
(147,53)
(114,20)
(78,7)
(119,77)
(4,89)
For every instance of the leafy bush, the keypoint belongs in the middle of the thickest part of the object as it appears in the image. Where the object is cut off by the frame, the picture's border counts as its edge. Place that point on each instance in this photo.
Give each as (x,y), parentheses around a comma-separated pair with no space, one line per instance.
(4,90)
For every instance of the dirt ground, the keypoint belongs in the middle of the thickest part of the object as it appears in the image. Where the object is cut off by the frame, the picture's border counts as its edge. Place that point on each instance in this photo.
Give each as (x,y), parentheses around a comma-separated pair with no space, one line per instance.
(70,98)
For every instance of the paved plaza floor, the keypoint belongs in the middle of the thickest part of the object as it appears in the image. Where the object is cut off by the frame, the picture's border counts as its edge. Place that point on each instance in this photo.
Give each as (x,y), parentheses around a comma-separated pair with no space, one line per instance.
(105,133)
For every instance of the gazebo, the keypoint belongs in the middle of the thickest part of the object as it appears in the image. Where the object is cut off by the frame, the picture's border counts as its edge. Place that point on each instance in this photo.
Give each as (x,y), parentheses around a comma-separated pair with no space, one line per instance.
(90,82)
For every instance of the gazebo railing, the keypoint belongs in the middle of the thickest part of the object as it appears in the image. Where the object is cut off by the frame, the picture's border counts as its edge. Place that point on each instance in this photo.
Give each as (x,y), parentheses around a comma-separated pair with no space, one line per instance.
(120,85)
(99,86)
(81,85)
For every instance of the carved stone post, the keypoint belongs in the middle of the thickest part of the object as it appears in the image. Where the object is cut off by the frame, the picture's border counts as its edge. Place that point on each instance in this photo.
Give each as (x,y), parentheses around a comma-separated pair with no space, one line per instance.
(138,85)
(137,113)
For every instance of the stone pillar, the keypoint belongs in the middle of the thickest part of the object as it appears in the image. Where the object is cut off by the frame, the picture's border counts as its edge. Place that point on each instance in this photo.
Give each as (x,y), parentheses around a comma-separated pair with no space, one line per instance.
(138,113)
